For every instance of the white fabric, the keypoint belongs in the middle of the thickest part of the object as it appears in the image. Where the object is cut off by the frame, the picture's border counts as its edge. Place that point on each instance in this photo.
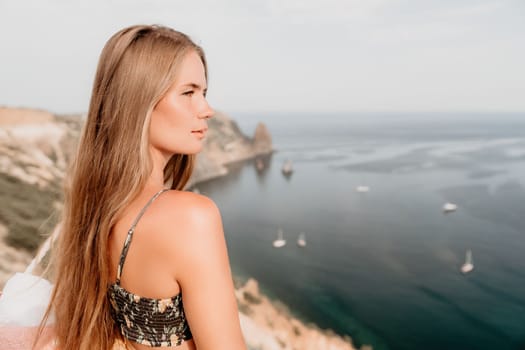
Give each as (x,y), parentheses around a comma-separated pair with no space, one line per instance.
(24,300)
(22,338)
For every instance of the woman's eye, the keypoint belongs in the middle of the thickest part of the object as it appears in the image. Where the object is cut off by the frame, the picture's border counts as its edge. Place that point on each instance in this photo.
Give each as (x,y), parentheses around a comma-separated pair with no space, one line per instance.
(188,93)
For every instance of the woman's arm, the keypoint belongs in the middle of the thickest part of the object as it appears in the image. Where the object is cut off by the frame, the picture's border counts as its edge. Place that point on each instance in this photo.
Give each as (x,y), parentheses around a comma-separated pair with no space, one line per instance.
(203,272)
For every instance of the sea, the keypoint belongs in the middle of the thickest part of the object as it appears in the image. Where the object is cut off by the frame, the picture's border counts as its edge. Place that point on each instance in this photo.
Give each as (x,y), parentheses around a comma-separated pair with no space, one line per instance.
(384,266)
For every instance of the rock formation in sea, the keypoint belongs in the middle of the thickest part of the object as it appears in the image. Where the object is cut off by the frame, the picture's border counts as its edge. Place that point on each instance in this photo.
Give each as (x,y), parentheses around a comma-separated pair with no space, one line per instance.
(225,143)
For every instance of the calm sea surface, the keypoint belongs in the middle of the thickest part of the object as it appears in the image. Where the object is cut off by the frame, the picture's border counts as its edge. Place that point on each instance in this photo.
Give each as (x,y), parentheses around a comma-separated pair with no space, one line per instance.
(384,266)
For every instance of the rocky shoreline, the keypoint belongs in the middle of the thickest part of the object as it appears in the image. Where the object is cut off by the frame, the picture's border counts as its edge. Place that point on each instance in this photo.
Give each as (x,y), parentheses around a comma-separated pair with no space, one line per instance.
(35,148)
(269,325)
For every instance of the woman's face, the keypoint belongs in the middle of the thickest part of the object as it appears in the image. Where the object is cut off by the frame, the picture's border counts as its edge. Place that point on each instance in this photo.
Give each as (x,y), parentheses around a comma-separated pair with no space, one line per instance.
(178,121)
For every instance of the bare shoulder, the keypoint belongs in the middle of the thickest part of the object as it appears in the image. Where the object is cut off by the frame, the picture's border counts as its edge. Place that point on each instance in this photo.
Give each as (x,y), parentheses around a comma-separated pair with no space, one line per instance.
(194,208)
(188,223)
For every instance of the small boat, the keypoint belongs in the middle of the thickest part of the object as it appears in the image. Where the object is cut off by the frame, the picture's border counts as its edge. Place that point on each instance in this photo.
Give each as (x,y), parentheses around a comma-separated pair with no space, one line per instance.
(469,264)
(362,189)
(259,164)
(301,241)
(449,207)
(287,168)
(280,241)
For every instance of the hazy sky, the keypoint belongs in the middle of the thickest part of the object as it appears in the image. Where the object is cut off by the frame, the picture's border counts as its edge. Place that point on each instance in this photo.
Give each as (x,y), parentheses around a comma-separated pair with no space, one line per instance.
(284,55)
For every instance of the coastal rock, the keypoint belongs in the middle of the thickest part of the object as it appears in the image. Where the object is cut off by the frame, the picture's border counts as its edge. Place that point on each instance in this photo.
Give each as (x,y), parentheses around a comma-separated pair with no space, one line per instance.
(225,143)
(32,148)
(35,148)
(262,139)
(18,116)
(269,325)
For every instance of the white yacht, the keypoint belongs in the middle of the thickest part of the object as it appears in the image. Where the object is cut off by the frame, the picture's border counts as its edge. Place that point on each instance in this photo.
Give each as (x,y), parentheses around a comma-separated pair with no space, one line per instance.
(280,241)
(287,168)
(301,241)
(449,207)
(469,264)
(362,189)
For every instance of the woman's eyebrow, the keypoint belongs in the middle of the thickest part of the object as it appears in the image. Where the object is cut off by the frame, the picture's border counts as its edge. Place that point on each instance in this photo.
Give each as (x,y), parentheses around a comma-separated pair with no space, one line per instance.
(194,86)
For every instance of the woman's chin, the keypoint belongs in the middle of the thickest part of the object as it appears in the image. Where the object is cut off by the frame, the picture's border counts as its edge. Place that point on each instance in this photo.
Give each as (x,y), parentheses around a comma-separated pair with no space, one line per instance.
(194,150)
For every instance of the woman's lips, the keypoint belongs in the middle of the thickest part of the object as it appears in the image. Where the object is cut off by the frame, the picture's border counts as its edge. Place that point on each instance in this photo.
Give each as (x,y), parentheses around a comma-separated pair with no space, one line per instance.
(200,132)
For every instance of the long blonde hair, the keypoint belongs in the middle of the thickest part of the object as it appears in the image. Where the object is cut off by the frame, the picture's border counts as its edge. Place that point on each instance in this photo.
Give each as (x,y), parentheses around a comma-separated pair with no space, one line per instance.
(137,66)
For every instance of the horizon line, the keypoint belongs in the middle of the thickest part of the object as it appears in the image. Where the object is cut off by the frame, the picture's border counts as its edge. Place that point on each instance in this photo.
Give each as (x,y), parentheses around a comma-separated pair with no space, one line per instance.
(275,111)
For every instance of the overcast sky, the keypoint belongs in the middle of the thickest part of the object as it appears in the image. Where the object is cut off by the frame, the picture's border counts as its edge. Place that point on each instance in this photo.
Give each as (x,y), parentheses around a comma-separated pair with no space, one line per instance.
(284,55)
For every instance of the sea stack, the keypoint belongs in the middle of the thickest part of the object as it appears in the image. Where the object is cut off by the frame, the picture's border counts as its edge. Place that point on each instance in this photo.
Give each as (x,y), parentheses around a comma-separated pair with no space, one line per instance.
(262,140)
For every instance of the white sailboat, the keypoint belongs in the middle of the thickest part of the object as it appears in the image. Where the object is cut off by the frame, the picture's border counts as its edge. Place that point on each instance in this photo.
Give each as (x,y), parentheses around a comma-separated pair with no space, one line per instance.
(280,241)
(449,207)
(287,168)
(362,189)
(301,241)
(469,264)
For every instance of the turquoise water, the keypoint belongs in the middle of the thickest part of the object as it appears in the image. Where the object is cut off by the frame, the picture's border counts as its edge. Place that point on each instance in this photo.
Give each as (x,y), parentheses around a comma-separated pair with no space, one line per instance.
(383,266)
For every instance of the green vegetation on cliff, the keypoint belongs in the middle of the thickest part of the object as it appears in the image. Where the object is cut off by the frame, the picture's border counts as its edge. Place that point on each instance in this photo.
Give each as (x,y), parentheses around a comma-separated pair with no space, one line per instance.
(28,212)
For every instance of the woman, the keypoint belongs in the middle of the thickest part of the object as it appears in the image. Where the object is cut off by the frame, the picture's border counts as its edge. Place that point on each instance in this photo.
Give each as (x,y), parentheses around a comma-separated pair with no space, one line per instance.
(139,262)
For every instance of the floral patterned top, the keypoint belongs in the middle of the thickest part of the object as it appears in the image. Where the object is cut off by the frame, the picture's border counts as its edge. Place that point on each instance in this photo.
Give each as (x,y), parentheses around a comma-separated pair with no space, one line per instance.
(152,322)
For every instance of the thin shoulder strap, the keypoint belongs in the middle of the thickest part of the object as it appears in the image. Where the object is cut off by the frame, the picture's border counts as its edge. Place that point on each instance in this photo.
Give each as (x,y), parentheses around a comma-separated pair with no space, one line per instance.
(127,243)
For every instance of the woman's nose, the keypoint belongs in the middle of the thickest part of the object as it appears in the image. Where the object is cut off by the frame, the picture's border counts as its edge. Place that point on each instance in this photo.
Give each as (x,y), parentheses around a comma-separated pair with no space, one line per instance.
(206,111)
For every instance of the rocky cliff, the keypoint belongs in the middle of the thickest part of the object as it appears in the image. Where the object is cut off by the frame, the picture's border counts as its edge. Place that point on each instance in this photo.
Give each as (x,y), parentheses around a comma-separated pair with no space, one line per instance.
(36,146)
(269,325)
(225,143)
